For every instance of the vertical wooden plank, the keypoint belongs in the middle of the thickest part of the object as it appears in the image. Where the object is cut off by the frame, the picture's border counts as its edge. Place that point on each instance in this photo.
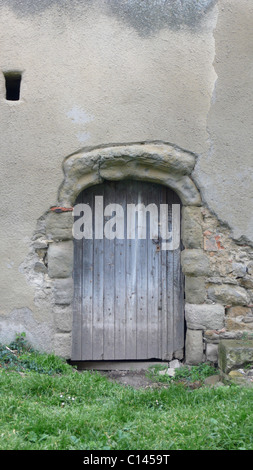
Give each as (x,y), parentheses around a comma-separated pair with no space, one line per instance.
(169,284)
(120,277)
(141,281)
(163,294)
(131,280)
(98,279)
(153,257)
(87,287)
(77,303)
(109,282)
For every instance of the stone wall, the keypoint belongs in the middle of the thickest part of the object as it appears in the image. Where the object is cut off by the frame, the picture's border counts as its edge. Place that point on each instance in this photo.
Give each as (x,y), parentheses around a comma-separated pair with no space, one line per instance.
(217,269)
(218,285)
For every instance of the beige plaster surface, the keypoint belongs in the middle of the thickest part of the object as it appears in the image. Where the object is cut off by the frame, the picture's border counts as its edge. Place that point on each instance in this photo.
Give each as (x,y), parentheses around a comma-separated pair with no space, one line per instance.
(88,78)
(225,174)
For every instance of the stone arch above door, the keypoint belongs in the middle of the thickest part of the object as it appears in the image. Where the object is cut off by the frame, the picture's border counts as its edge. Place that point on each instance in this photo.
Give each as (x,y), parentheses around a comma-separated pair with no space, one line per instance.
(155,162)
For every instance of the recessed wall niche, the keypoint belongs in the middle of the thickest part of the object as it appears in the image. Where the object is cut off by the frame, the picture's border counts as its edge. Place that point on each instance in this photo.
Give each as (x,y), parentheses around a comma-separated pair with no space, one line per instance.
(12,85)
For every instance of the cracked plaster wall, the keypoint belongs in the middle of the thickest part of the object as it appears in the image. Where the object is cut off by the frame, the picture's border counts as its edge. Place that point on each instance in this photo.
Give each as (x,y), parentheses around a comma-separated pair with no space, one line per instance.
(111,72)
(224,175)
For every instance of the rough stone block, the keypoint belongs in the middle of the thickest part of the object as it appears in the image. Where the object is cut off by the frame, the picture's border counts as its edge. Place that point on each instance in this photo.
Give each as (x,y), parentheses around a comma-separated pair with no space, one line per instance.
(212,352)
(239,311)
(63,291)
(40,267)
(228,294)
(204,317)
(63,318)
(239,318)
(40,244)
(192,236)
(175,364)
(59,225)
(247,282)
(62,345)
(233,354)
(239,269)
(213,381)
(194,347)
(250,267)
(195,290)
(195,262)
(215,336)
(60,259)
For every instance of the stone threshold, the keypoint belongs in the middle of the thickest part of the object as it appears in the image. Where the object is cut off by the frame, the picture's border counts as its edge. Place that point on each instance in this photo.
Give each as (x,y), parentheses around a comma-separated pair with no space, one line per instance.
(116,365)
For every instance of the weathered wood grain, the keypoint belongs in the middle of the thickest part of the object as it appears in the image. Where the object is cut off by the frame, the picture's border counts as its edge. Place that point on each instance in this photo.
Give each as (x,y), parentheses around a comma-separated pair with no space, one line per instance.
(128,302)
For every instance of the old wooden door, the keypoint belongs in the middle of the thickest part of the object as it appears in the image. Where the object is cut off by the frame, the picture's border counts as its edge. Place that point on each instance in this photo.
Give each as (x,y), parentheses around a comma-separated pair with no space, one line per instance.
(128,291)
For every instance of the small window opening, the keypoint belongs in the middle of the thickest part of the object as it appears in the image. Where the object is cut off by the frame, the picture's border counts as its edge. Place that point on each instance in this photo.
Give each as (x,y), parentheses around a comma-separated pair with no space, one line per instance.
(12,85)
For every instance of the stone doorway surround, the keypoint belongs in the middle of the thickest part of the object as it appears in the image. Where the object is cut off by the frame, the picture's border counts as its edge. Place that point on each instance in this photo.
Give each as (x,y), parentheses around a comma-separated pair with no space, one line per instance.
(218,287)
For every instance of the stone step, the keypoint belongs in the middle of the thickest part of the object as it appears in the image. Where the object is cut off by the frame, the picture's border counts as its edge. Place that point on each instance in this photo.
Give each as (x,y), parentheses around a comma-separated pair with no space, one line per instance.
(234,354)
(116,365)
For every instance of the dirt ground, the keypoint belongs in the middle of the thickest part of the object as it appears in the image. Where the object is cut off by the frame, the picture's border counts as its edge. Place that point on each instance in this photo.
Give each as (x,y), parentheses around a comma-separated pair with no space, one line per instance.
(136,379)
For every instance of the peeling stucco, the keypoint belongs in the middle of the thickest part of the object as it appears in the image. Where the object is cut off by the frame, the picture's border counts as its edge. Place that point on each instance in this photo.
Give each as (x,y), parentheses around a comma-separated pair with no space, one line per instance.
(224,174)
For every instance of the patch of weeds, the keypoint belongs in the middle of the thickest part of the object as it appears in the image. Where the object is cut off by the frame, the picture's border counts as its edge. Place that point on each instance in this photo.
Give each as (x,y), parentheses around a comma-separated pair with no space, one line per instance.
(20,343)
(247,335)
(186,374)
(196,373)
(248,366)
(9,355)
(21,356)
(7,358)
(44,363)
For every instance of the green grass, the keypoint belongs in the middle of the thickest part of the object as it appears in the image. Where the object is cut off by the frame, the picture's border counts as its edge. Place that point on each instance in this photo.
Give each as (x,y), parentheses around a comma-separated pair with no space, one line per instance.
(186,375)
(46,404)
